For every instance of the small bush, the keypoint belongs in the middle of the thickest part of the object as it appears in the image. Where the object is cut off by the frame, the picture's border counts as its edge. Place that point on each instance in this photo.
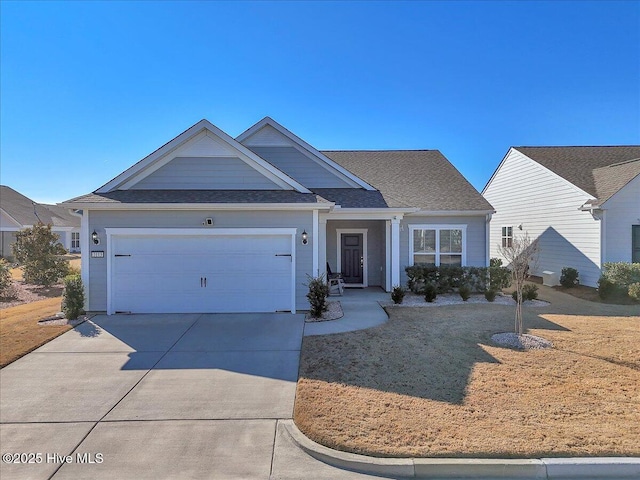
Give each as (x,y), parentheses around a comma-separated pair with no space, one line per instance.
(397,294)
(490,295)
(569,277)
(622,274)
(607,289)
(465,292)
(499,276)
(317,296)
(5,277)
(430,292)
(634,291)
(529,292)
(72,297)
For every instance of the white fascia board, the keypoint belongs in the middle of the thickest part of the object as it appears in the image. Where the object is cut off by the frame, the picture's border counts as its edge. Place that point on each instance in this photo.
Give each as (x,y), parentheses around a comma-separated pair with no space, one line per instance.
(166,149)
(495,172)
(205,206)
(451,213)
(367,213)
(294,138)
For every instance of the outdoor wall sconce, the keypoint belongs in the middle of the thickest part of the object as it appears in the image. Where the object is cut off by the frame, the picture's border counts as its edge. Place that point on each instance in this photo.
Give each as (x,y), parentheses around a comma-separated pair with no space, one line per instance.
(305,237)
(94,237)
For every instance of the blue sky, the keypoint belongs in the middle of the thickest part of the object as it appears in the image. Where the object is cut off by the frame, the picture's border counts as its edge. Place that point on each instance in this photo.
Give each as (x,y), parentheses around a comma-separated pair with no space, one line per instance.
(89,88)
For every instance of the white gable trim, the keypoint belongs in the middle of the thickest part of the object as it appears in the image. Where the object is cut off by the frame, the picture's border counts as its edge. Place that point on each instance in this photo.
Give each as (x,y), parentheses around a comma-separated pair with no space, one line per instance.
(148,165)
(317,156)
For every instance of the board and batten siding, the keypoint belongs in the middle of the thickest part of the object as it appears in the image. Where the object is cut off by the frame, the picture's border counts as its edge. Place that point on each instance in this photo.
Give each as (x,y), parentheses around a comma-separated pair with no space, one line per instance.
(475,239)
(299,166)
(622,211)
(206,173)
(525,193)
(99,220)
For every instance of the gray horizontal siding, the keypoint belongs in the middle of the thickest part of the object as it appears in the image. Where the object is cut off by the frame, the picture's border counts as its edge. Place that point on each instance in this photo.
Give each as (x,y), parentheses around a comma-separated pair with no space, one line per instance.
(206,173)
(623,211)
(476,238)
(99,220)
(300,167)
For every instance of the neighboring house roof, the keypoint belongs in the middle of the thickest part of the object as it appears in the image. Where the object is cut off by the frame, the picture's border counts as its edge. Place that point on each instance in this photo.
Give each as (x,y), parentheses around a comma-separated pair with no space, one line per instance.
(599,171)
(26,212)
(198,196)
(412,178)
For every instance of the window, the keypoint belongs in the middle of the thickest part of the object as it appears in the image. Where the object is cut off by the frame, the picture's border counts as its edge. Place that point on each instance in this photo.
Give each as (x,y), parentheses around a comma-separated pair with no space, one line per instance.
(507,237)
(437,245)
(75,241)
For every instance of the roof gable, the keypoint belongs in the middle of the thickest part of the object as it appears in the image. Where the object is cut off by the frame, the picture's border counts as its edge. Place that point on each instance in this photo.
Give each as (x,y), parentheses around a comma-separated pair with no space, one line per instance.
(268,134)
(202,140)
(588,167)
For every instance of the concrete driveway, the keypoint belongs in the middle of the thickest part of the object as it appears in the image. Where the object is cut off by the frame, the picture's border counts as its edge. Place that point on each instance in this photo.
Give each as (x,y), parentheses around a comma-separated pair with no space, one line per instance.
(158,396)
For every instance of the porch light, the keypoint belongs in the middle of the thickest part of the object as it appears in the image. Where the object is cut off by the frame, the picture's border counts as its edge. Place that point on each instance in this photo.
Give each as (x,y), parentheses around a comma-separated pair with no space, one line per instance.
(94,237)
(305,237)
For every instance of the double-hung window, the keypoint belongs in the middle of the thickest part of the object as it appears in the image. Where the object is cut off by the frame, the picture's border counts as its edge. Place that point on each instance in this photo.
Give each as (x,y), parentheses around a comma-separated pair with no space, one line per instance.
(507,237)
(75,241)
(437,244)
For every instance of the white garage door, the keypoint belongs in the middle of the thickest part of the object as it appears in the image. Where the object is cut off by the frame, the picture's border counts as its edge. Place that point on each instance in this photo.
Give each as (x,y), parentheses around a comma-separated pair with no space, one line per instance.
(199,274)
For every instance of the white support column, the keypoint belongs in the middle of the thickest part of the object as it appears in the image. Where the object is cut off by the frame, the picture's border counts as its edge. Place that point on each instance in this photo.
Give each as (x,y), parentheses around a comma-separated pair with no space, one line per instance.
(315,242)
(395,251)
(322,246)
(85,256)
(387,256)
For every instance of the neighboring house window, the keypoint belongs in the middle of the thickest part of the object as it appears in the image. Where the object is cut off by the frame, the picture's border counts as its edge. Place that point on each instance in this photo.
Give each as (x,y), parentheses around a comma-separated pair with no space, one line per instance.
(75,240)
(437,245)
(507,237)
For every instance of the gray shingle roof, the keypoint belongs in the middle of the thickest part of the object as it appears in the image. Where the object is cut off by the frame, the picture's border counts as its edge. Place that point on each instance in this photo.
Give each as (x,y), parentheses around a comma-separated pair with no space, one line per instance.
(412,178)
(599,171)
(199,196)
(353,197)
(26,212)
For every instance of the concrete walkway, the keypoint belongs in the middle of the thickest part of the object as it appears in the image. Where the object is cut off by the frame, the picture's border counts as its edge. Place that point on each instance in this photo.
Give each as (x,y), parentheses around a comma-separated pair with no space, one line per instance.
(361,310)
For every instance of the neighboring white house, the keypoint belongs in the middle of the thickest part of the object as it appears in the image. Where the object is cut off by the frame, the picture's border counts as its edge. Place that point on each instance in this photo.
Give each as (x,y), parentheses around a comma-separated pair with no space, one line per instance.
(582,203)
(209,223)
(18,212)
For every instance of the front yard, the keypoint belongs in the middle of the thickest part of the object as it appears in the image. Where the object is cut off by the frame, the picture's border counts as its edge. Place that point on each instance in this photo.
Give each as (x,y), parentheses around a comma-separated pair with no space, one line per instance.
(429,383)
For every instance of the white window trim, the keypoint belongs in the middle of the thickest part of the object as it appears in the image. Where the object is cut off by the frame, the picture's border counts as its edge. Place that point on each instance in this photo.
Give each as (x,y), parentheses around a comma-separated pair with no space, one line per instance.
(76,248)
(437,228)
(502,237)
(151,232)
(365,266)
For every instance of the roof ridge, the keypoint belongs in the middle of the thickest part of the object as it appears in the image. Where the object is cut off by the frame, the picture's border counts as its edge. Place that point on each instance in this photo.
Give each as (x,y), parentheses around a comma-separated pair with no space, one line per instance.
(577,146)
(623,162)
(388,150)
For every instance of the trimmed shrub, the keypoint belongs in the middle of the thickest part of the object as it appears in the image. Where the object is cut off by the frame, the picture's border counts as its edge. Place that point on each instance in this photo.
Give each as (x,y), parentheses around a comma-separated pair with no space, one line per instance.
(446,278)
(622,274)
(5,279)
(465,292)
(317,296)
(430,292)
(499,276)
(397,294)
(634,291)
(529,292)
(607,289)
(569,277)
(490,295)
(73,297)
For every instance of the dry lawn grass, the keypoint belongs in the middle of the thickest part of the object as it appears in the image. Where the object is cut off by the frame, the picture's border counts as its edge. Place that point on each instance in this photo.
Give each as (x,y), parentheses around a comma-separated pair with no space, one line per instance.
(20,332)
(429,383)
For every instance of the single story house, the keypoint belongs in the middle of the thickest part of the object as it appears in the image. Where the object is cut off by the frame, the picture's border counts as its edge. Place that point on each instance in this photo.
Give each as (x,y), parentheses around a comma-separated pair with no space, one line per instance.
(18,212)
(582,203)
(209,223)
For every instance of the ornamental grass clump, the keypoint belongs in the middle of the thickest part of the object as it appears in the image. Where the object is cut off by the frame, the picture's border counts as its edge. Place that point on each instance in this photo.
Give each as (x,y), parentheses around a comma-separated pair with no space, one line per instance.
(430,292)
(465,292)
(397,294)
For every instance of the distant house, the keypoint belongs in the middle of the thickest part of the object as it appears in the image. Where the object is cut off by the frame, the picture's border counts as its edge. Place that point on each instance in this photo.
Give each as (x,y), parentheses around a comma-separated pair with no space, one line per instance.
(209,223)
(18,212)
(583,203)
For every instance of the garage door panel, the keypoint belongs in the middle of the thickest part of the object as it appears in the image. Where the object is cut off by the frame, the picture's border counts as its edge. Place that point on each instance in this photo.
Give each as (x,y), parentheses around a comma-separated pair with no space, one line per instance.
(244,273)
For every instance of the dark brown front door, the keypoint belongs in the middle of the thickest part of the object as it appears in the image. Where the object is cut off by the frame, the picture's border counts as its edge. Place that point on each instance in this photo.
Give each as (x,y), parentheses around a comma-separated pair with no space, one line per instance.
(352,260)
(635,243)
